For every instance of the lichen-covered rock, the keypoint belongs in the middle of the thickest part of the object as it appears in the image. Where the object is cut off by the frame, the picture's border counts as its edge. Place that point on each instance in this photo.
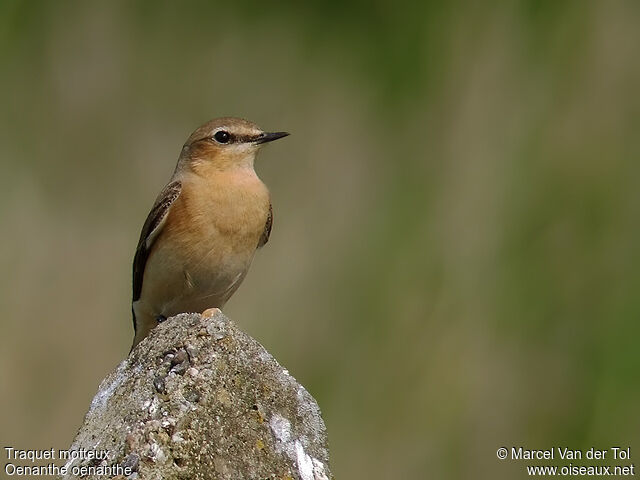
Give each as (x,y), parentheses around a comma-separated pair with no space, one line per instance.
(200,399)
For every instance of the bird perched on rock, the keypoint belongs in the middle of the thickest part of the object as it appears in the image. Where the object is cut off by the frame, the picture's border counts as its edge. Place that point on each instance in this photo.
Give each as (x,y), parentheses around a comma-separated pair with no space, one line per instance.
(203,230)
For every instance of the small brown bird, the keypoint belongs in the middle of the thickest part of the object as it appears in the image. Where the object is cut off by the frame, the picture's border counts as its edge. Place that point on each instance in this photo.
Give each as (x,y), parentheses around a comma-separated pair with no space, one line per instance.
(200,237)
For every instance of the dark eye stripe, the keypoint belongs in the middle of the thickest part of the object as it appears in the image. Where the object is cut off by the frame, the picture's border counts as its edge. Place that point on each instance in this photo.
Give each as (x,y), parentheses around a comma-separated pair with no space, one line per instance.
(247,138)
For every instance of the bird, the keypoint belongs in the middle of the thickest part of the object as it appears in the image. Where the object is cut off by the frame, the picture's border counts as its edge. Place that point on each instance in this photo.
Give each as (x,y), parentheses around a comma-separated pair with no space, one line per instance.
(204,228)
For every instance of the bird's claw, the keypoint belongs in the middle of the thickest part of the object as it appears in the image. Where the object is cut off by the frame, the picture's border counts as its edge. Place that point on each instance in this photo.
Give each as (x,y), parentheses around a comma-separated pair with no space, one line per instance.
(211,312)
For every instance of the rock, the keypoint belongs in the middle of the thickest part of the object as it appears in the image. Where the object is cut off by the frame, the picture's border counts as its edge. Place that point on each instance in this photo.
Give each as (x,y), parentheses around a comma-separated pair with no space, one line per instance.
(200,399)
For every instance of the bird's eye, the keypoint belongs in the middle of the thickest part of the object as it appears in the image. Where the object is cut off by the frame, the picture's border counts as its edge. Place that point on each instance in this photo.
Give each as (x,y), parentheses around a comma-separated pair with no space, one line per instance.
(222,137)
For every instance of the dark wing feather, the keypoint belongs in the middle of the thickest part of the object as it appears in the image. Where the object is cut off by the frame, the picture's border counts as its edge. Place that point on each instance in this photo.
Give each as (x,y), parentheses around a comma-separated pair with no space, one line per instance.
(264,238)
(150,231)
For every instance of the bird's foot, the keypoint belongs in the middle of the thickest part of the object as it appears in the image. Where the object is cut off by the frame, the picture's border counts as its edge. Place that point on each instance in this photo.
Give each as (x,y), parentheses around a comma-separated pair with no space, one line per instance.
(210,312)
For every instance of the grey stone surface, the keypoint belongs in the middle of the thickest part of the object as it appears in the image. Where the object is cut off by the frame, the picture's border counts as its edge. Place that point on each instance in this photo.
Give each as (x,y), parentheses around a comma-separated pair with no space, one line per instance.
(200,399)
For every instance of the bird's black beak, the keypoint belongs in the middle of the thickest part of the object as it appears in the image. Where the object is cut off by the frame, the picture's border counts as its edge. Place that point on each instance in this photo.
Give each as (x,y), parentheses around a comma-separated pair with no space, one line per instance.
(270,137)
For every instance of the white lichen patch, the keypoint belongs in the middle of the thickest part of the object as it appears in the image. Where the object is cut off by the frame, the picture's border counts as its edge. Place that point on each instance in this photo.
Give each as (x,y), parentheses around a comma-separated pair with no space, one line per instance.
(309,468)
(319,470)
(281,428)
(304,461)
(106,389)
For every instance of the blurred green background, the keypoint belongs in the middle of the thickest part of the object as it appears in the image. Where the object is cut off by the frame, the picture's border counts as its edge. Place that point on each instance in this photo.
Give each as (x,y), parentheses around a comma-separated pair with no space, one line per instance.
(455,259)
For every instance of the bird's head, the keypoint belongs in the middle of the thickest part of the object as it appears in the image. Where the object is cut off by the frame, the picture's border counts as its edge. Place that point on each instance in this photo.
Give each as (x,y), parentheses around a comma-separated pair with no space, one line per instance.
(225,143)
